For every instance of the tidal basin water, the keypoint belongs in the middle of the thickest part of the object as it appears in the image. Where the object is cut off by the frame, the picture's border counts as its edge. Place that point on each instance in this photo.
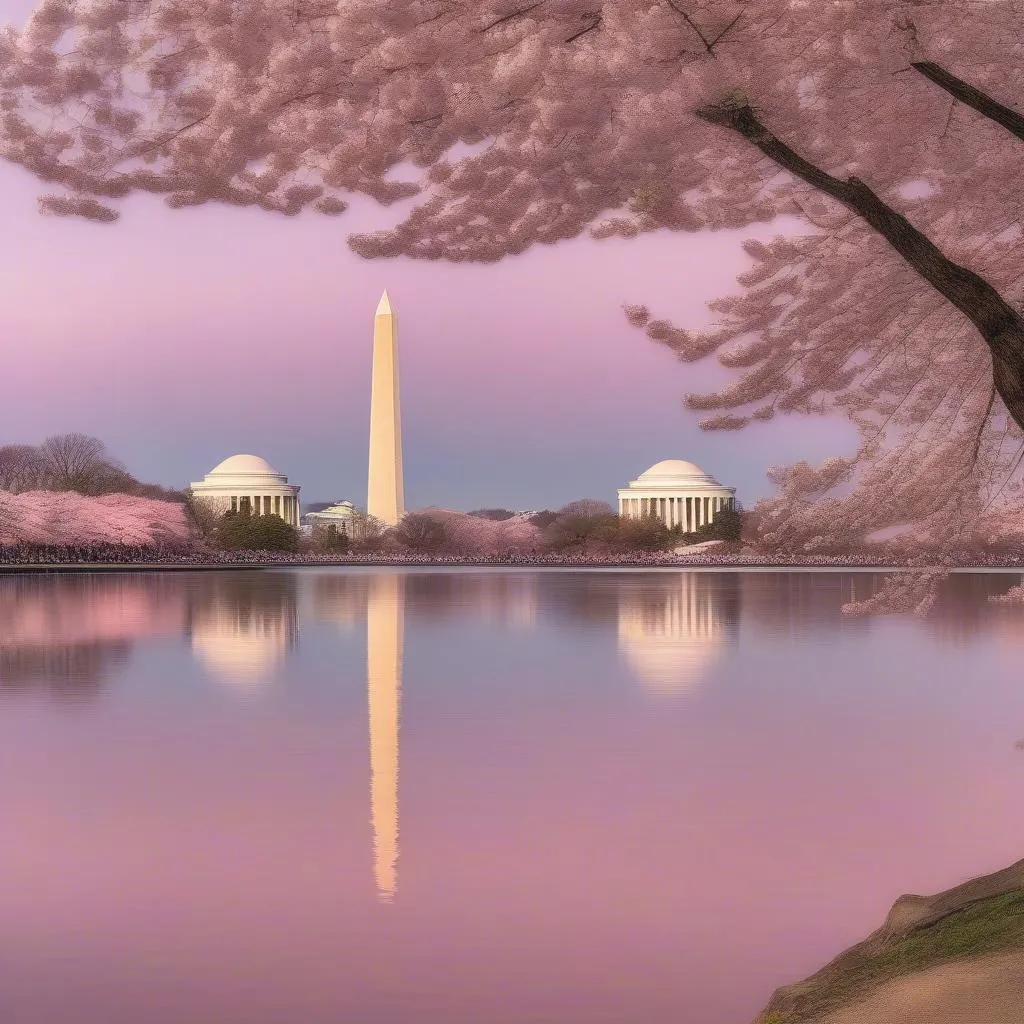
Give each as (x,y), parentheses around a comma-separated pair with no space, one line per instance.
(481,797)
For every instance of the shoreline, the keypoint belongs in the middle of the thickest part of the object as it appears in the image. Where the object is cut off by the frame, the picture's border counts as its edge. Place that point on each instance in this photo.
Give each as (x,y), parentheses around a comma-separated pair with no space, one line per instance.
(961,947)
(720,564)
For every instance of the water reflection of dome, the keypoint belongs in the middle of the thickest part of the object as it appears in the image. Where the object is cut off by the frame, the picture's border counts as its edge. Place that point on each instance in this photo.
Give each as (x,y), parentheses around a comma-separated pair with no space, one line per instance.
(241,627)
(671,631)
(240,655)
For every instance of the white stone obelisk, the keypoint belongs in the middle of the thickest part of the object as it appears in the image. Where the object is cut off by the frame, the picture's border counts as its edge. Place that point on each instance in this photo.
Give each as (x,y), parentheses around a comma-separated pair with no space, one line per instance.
(385,499)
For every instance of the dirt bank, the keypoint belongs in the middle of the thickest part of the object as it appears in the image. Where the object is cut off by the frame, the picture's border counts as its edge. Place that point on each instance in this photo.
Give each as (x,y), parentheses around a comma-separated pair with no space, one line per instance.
(953,958)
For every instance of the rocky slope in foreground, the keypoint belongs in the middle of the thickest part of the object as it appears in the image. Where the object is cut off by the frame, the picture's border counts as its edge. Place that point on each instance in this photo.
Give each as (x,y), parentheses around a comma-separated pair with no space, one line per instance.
(931,953)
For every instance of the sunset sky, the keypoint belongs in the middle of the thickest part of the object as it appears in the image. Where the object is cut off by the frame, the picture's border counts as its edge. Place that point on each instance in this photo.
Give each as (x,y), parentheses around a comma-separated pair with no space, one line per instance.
(183,337)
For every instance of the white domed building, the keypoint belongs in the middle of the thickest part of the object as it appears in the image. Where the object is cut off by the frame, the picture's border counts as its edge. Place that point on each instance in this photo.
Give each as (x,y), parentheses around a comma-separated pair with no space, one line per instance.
(247,482)
(343,515)
(678,493)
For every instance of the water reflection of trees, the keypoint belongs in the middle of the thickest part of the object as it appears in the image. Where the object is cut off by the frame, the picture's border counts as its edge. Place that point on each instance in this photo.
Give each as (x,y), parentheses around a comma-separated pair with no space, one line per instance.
(242,624)
(963,610)
(62,636)
(66,673)
(508,597)
(341,597)
(793,604)
(59,632)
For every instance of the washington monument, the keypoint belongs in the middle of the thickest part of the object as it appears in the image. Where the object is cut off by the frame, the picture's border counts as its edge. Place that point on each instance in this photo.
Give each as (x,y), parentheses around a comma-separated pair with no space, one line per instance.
(385,499)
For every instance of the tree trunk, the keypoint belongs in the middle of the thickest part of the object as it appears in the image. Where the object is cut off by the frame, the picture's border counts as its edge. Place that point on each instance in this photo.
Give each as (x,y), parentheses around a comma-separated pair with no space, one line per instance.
(998,322)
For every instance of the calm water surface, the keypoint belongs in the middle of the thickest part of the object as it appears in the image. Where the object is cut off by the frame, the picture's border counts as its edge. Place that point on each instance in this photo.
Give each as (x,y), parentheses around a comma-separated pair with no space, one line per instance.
(464,797)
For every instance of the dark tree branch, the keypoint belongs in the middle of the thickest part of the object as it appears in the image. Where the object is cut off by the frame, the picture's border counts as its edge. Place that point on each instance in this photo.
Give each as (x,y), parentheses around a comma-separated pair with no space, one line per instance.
(999,324)
(984,420)
(709,44)
(689,21)
(949,118)
(721,35)
(314,92)
(971,97)
(584,31)
(171,137)
(509,17)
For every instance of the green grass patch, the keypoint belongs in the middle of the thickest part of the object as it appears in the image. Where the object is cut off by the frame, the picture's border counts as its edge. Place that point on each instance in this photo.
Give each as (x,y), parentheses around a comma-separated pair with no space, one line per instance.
(988,926)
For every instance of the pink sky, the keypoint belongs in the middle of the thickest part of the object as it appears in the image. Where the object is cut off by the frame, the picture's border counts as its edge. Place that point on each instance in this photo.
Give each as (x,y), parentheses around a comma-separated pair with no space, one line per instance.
(182,337)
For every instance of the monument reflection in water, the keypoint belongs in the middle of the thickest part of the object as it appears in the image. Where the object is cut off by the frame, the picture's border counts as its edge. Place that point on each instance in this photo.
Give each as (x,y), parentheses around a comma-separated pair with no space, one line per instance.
(612,784)
(384,635)
(242,628)
(673,628)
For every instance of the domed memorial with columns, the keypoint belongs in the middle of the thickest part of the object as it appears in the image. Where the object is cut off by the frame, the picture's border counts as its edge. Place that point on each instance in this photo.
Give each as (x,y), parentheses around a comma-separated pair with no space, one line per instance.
(249,483)
(678,493)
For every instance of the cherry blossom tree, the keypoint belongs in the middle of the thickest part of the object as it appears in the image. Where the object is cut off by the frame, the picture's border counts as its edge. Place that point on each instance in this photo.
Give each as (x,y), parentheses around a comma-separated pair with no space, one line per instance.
(45,517)
(888,127)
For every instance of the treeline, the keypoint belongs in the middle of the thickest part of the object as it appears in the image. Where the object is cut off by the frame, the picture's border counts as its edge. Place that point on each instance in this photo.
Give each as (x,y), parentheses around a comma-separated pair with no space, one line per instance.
(79,463)
(581,527)
(72,462)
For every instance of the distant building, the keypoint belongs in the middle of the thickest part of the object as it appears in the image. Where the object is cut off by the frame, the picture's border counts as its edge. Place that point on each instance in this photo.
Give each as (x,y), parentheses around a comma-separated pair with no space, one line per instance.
(344,516)
(678,493)
(249,483)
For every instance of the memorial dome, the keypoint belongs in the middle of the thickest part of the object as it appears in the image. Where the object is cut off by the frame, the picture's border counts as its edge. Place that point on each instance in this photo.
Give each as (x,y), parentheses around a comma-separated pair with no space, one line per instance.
(244,465)
(248,482)
(671,472)
(679,493)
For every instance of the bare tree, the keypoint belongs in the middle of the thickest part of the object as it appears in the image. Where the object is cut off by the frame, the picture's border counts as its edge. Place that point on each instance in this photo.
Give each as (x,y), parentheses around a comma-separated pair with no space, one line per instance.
(421,531)
(202,516)
(77,462)
(21,468)
(587,508)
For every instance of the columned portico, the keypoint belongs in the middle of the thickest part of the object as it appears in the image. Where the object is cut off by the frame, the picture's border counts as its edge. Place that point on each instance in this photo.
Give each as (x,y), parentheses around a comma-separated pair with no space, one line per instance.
(249,483)
(678,493)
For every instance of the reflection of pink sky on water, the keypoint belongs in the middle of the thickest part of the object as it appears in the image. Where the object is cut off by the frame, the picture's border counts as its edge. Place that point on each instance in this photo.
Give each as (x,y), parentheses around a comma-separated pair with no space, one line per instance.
(569,851)
(110,608)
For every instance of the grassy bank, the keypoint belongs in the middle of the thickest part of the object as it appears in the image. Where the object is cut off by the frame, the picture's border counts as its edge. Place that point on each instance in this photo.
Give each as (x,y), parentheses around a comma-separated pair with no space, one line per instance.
(982,917)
